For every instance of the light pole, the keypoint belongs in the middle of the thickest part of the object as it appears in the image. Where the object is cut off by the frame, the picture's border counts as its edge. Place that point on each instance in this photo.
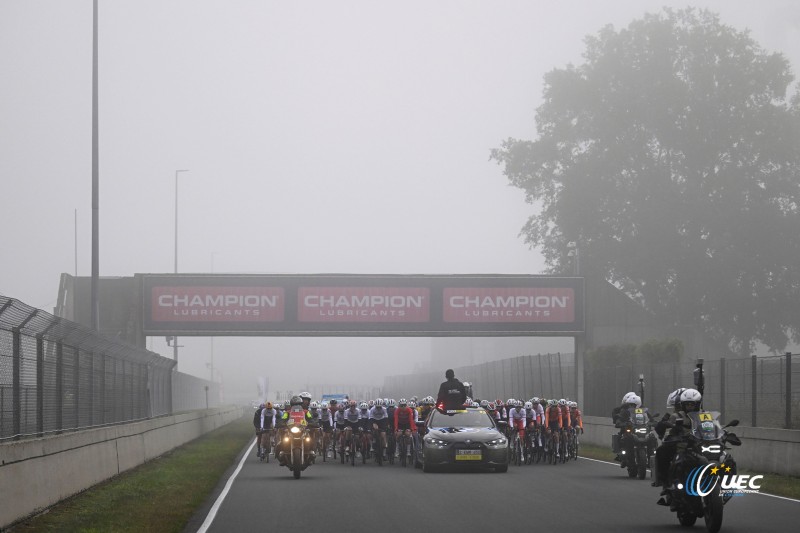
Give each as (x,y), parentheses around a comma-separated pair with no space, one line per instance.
(175,339)
(211,365)
(573,252)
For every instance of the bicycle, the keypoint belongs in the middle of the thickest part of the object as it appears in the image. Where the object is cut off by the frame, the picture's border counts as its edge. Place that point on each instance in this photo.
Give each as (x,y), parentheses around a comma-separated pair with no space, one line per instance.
(391,445)
(517,457)
(404,441)
(266,441)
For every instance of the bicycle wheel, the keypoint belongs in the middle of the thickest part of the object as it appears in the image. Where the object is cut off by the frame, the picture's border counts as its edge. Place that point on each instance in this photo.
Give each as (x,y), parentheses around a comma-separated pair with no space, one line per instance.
(379,450)
(403,450)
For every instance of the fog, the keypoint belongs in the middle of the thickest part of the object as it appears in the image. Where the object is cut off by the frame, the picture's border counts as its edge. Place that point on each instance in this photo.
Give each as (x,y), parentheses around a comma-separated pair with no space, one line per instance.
(335,137)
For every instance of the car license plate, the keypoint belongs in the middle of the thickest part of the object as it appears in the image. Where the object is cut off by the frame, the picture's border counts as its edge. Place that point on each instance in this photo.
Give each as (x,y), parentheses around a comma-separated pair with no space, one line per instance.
(468,455)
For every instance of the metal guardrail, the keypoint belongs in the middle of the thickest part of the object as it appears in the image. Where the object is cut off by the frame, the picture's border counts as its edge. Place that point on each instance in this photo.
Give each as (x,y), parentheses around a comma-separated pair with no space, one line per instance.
(57,375)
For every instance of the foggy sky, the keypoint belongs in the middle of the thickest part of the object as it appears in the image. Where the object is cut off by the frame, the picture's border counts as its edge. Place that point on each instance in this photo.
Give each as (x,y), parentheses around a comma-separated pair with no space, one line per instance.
(336,137)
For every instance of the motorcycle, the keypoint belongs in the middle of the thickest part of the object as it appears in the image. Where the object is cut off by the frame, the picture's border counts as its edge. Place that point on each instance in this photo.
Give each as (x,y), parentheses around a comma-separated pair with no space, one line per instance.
(702,450)
(636,443)
(297,448)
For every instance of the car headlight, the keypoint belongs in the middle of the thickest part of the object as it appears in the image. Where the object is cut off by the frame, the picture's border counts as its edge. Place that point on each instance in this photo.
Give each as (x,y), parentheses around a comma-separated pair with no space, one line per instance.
(433,441)
(500,441)
(295,430)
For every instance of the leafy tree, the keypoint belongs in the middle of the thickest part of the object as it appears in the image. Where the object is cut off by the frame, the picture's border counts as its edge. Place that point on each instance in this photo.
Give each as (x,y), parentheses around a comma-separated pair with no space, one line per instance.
(671,157)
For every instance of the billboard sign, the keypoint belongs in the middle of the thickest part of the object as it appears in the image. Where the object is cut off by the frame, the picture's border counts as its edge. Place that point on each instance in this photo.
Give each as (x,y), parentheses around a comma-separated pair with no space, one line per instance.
(361,305)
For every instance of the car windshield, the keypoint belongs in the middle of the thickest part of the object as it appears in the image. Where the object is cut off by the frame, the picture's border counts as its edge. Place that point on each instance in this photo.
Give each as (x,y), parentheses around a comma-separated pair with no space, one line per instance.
(473,418)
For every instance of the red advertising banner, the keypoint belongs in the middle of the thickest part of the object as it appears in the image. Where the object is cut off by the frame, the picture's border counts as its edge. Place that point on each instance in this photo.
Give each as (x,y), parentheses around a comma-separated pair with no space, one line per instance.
(217,304)
(509,305)
(363,304)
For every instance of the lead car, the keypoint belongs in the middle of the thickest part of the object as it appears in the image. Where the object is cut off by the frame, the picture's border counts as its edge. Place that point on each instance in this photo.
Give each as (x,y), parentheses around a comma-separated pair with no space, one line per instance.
(466,437)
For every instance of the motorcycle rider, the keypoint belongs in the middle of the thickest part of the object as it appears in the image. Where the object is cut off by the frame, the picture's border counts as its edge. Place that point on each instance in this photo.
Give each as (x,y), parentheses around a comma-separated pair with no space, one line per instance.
(625,419)
(298,416)
(615,416)
(680,400)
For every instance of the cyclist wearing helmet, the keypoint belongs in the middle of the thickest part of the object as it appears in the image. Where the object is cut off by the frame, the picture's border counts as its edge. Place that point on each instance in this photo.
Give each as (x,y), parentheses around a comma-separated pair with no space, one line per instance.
(267,425)
(575,416)
(379,417)
(404,418)
(257,426)
(426,408)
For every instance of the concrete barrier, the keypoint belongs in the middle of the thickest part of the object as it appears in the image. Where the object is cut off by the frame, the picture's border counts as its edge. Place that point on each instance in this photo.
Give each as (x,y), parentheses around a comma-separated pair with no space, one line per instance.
(763,450)
(37,473)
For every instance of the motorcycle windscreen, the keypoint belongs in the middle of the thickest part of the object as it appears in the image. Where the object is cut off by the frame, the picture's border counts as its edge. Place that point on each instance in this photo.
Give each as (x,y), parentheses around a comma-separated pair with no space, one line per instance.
(705,425)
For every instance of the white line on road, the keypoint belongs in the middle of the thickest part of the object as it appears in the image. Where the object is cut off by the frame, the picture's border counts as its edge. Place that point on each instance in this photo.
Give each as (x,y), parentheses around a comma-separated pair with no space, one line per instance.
(212,513)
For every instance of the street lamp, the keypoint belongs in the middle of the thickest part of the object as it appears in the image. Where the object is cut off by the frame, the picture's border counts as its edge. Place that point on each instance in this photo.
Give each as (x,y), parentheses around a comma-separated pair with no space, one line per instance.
(573,252)
(175,339)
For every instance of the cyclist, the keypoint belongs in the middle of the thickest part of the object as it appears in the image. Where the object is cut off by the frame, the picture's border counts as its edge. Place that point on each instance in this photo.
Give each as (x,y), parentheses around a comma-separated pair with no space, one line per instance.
(404,422)
(575,416)
(267,424)
(552,417)
(516,420)
(327,421)
(380,420)
(257,426)
(352,420)
(426,408)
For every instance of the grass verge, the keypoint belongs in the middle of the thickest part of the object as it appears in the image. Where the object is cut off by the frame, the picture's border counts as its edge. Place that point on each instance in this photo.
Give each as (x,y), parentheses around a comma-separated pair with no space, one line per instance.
(159,496)
(775,484)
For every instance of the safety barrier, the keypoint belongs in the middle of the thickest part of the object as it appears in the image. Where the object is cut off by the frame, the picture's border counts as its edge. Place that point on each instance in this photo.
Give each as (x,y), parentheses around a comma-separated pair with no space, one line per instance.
(37,473)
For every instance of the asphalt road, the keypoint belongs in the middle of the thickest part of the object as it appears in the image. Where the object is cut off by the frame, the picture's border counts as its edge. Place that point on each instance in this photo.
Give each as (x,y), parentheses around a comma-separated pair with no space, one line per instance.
(584,495)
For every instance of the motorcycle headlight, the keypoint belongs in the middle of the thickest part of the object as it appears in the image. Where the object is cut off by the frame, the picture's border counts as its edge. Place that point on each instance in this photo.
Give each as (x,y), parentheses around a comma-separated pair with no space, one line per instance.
(295,430)
(500,441)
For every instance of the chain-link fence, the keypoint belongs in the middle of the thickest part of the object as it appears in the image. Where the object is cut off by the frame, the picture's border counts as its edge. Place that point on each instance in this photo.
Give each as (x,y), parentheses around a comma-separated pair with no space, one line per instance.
(759,391)
(56,375)
(543,375)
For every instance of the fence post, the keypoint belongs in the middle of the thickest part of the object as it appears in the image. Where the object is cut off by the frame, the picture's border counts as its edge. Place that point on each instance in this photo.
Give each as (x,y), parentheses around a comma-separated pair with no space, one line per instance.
(788,390)
(76,387)
(753,390)
(16,391)
(722,387)
(59,405)
(39,385)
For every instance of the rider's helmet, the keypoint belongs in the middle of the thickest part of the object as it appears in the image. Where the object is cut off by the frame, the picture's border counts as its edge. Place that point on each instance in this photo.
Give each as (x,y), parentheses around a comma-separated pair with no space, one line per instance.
(511,401)
(498,402)
(573,405)
(562,402)
(627,398)
(391,402)
(528,405)
(552,403)
(305,396)
(475,404)
(324,405)
(412,404)
(379,402)
(674,397)
(364,405)
(296,400)
(352,403)
(314,405)
(535,399)
(414,398)
(403,402)
(635,400)
(491,407)
(484,403)
(287,404)
(690,400)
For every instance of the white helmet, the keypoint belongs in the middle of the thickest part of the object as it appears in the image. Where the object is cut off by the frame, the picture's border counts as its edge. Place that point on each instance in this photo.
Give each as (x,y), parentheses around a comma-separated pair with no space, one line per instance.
(391,402)
(635,400)
(475,404)
(324,405)
(313,405)
(562,401)
(379,402)
(627,397)
(403,401)
(528,405)
(305,395)
(364,405)
(535,399)
(674,397)
(691,395)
